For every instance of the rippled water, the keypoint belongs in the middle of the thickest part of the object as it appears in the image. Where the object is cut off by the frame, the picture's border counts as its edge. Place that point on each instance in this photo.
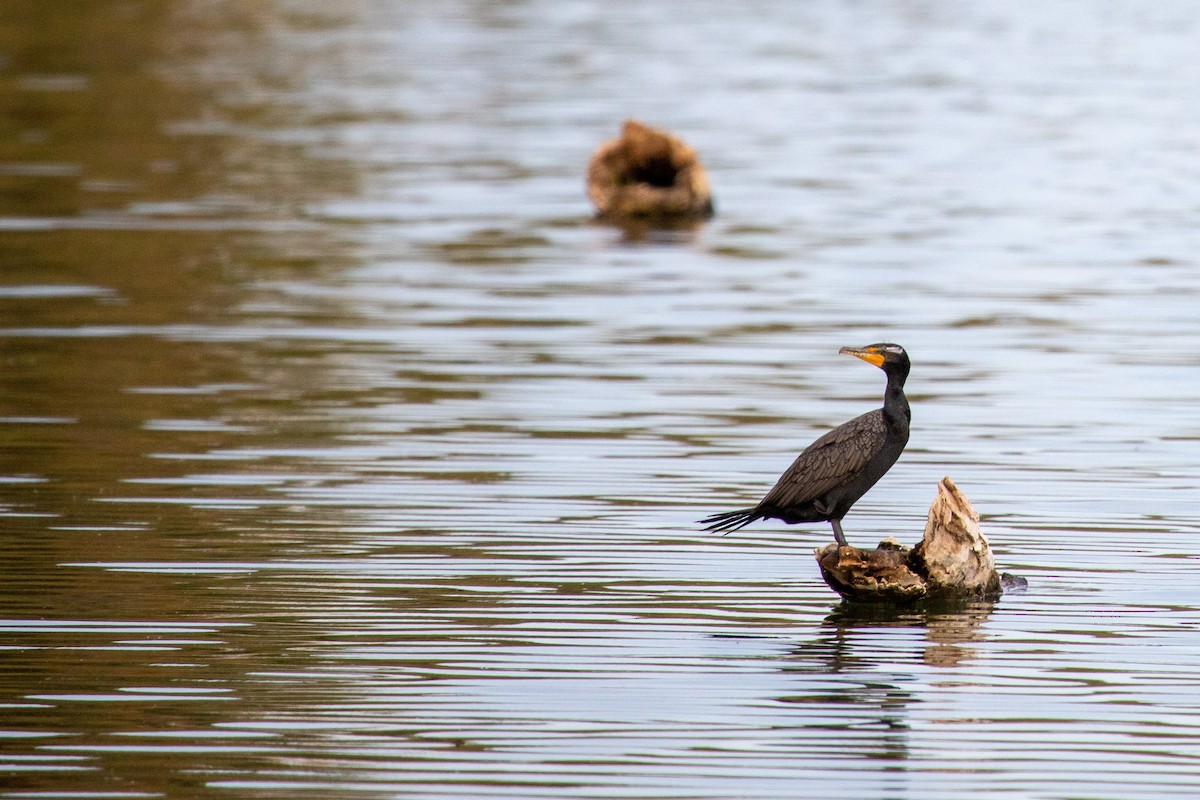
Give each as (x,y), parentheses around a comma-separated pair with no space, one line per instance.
(342,455)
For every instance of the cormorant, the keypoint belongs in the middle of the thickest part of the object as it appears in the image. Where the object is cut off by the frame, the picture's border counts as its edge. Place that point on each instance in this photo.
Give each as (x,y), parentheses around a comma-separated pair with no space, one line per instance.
(834,471)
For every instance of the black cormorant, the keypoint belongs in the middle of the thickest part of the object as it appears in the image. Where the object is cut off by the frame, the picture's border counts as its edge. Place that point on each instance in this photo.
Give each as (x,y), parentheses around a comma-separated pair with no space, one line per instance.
(834,471)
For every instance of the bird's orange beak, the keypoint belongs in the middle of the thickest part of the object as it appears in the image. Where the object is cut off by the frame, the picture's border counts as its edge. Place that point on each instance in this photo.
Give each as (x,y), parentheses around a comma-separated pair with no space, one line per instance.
(868,354)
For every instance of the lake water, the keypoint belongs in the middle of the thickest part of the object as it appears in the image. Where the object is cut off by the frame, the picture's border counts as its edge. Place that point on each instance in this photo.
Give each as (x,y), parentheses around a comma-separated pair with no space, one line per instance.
(342,455)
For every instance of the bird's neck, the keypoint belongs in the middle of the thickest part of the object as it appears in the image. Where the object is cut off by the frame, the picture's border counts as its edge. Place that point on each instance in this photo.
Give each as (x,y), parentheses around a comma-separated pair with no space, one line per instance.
(895,404)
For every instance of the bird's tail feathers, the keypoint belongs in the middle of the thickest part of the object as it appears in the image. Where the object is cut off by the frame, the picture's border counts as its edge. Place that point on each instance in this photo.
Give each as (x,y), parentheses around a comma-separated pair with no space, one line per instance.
(729,521)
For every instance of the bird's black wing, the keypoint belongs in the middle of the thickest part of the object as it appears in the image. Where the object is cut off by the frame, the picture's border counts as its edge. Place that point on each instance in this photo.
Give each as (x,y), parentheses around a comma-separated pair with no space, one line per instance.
(833,460)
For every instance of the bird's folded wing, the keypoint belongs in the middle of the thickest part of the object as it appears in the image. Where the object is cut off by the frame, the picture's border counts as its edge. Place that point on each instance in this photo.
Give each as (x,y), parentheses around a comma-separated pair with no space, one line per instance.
(831,461)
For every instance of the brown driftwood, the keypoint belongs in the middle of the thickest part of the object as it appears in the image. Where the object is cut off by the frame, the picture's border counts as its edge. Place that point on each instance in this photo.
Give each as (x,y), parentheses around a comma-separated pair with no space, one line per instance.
(953,560)
(648,174)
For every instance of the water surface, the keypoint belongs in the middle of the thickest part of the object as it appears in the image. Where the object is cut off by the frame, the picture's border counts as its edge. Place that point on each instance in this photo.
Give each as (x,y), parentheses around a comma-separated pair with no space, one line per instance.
(341,454)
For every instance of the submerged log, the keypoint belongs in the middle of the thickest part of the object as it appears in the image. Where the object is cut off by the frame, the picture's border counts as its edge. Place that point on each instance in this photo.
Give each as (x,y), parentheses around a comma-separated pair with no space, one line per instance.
(648,174)
(952,561)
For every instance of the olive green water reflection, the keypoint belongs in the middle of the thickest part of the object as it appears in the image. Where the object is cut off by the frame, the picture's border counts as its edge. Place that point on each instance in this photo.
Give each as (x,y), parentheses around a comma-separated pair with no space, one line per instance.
(341,455)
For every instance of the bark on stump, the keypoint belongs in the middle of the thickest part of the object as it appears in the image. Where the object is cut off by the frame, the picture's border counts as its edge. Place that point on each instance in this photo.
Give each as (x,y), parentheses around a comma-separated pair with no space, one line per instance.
(648,174)
(952,561)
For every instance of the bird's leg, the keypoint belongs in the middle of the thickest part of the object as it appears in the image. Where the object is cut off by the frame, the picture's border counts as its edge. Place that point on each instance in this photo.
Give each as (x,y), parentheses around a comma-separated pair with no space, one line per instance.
(837,532)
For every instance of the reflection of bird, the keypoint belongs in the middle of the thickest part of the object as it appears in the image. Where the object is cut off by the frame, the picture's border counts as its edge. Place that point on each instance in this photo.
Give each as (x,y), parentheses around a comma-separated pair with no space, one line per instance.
(834,471)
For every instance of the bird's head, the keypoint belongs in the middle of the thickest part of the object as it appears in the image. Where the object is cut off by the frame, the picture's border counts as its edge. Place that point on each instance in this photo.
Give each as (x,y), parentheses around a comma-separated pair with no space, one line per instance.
(889,357)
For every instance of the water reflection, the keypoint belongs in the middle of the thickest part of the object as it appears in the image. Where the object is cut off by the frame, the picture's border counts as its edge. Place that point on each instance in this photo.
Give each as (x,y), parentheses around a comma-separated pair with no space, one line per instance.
(635,231)
(948,628)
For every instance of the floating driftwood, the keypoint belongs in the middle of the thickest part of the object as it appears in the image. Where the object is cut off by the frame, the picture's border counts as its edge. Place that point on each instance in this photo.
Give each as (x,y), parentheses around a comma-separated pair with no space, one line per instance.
(952,561)
(648,174)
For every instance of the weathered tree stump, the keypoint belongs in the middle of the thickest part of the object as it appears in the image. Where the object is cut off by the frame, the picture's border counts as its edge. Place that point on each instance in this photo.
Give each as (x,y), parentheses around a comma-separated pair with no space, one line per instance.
(648,174)
(952,561)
